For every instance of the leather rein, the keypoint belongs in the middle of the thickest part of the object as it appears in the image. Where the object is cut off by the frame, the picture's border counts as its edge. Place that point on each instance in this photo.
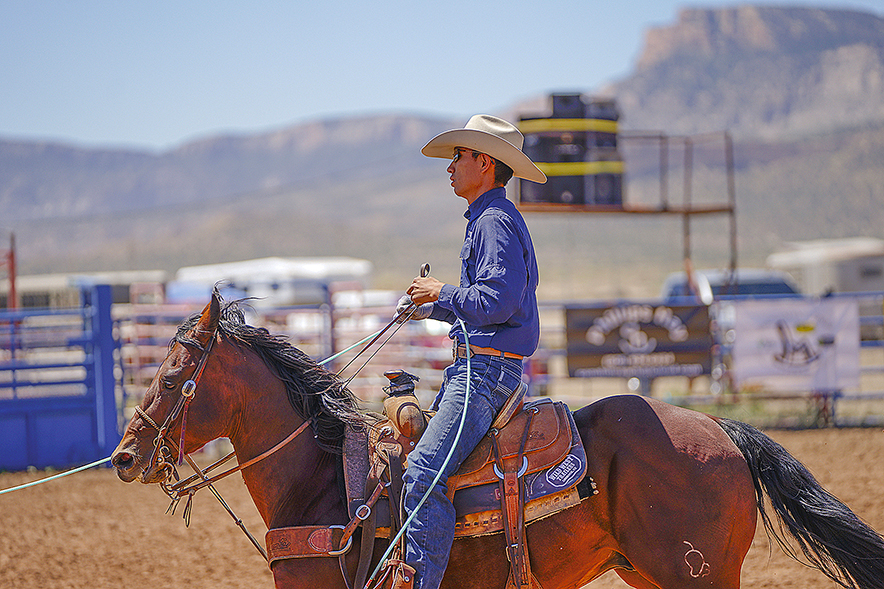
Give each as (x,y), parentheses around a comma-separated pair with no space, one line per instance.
(160,457)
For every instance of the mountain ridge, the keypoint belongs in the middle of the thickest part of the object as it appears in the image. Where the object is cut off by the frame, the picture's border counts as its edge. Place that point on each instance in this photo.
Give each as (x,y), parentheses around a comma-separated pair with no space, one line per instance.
(758,71)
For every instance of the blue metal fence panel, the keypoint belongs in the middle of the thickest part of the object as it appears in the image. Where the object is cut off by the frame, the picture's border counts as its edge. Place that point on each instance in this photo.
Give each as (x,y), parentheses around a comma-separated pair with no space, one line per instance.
(58,403)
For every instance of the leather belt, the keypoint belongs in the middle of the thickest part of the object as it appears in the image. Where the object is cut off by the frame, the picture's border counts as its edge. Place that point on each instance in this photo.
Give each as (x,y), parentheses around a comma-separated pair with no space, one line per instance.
(460,351)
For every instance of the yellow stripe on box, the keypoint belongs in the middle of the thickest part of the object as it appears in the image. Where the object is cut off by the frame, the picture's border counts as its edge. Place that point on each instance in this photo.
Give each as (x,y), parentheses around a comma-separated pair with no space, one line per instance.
(580,168)
(563,125)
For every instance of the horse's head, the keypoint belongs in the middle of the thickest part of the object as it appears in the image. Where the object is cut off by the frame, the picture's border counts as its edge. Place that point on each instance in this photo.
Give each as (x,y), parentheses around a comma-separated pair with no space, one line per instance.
(180,403)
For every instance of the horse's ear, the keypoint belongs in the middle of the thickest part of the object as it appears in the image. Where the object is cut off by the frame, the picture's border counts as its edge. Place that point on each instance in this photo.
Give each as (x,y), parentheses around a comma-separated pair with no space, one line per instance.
(208,323)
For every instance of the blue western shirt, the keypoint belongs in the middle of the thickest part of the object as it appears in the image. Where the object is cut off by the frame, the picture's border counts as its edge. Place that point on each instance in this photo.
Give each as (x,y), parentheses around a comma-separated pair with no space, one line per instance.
(497,298)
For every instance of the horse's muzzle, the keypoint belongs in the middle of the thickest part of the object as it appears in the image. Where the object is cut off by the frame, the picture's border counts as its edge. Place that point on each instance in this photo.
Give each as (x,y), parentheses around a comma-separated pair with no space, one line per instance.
(126,465)
(130,465)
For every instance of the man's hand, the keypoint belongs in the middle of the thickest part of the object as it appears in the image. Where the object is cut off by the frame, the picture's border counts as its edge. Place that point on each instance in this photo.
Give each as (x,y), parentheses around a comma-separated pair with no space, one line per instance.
(420,312)
(425,290)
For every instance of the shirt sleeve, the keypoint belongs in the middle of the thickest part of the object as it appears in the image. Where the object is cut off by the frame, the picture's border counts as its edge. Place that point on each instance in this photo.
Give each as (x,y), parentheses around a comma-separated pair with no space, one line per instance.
(440,313)
(501,274)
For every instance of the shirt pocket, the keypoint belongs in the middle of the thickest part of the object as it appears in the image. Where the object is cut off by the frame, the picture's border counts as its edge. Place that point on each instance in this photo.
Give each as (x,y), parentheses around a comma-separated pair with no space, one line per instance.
(467,263)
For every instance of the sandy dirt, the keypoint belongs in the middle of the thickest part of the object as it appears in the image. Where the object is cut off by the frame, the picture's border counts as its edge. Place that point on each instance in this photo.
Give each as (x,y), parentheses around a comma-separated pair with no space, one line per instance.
(91,531)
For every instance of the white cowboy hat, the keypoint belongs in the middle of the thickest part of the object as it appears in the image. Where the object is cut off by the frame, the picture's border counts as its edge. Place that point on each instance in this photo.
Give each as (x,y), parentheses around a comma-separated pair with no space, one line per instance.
(492,136)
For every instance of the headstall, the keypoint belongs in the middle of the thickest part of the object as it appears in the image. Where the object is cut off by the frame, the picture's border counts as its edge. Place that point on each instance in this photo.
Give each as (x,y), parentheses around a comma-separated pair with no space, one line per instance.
(161,455)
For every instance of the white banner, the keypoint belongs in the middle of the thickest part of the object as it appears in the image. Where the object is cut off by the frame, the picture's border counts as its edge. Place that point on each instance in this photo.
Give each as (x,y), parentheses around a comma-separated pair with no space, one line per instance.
(796,345)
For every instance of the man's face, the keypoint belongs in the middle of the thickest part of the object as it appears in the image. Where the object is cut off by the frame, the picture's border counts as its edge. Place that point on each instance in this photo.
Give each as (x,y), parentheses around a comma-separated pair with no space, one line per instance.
(466,173)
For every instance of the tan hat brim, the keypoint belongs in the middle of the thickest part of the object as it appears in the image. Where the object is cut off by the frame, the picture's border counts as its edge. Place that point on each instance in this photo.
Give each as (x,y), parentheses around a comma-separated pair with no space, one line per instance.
(442,146)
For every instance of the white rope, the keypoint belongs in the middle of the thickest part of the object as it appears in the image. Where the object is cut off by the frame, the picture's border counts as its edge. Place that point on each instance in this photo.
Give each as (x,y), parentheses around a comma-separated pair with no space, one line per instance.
(57,476)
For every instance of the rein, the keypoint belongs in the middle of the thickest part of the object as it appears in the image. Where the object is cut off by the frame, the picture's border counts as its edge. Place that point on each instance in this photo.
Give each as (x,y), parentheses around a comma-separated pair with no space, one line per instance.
(181,488)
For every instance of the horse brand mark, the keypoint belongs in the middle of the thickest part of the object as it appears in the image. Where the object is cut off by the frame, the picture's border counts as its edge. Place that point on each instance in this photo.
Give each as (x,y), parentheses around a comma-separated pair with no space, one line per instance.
(696,561)
(561,475)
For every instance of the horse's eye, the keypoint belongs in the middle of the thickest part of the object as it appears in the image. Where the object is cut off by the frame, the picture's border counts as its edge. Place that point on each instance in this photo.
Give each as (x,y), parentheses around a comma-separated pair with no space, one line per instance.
(168,384)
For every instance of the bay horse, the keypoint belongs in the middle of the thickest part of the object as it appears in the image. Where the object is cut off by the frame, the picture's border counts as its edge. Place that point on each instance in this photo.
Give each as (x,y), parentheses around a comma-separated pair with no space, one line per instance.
(678,491)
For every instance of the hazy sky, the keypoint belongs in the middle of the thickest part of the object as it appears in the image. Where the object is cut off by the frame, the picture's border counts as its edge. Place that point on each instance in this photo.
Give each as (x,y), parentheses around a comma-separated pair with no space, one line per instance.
(157,74)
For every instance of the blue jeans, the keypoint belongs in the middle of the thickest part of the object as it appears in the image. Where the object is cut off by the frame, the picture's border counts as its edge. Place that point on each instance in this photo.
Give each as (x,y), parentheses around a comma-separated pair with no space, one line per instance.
(430,534)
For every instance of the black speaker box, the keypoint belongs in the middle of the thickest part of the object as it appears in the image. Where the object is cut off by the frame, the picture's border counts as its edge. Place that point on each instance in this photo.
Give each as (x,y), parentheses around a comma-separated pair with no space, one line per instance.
(602,109)
(568,106)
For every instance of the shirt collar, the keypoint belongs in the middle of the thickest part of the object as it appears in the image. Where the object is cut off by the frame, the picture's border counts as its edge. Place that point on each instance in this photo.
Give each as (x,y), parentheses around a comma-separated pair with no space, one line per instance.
(481,203)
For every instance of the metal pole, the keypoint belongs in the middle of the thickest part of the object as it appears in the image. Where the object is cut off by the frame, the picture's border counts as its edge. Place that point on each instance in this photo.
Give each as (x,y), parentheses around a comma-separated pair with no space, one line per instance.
(664,171)
(330,308)
(688,177)
(102,328)
(11,302)
(732,197)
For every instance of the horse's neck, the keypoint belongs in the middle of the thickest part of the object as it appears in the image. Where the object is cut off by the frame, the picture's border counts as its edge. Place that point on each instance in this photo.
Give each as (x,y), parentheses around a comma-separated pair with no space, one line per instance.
(297,484)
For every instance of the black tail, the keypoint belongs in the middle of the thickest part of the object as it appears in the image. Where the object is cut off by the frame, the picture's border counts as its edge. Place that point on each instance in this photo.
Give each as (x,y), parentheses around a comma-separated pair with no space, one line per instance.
(830,535)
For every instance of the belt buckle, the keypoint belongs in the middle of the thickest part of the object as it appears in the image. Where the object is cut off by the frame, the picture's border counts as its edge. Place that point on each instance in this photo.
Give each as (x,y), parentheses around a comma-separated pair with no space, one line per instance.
(456,351)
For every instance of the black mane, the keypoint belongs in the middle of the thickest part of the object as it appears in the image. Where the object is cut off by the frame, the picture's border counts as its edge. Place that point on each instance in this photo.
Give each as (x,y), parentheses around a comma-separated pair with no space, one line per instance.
(314,392)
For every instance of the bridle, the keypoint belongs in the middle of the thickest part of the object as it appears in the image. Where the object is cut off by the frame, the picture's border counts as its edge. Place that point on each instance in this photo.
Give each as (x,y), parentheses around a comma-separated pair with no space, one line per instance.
(162,453)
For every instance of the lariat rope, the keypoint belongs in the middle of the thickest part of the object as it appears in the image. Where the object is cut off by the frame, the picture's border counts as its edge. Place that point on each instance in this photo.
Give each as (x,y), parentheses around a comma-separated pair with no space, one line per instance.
(56,476)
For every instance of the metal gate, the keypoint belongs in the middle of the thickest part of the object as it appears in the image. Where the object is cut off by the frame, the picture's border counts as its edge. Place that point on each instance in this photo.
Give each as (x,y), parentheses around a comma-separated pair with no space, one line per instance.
(58,404)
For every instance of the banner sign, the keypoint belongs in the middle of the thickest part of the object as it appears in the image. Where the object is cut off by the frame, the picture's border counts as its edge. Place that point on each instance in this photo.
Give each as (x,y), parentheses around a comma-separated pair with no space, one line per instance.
(796,345)
(638,340)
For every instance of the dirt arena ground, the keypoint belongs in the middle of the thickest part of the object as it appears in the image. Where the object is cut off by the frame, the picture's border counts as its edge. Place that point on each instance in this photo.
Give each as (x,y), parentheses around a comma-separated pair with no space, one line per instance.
(91,531)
